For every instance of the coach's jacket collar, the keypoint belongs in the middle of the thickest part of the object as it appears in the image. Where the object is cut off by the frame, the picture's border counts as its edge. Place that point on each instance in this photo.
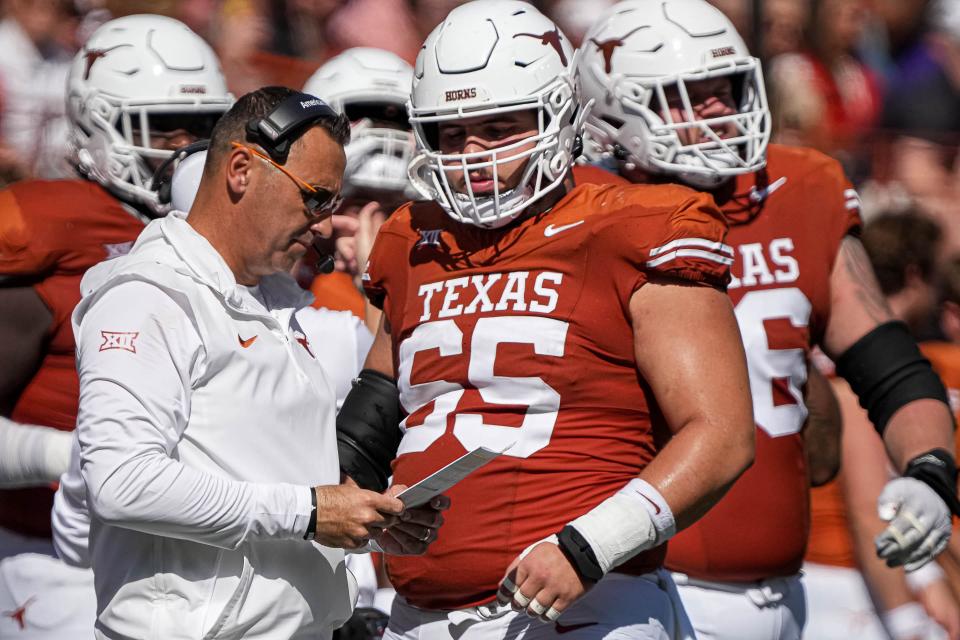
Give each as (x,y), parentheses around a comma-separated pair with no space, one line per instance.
(207,266)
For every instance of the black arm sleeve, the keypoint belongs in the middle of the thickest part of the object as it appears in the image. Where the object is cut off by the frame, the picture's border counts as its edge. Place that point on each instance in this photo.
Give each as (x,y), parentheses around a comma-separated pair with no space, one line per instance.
(887,371)
(368,431)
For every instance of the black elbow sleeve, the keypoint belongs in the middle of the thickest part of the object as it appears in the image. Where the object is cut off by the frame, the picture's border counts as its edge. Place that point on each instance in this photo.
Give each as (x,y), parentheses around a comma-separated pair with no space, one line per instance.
(368,429)
(887,371)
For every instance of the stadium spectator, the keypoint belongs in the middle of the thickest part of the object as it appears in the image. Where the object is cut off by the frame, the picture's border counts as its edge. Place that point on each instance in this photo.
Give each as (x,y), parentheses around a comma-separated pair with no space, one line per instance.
(824,96)
(33,79)
(922,114)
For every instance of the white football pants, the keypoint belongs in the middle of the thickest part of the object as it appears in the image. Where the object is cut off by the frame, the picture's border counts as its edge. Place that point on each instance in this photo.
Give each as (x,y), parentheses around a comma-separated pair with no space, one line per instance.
(773,609)
(619,607)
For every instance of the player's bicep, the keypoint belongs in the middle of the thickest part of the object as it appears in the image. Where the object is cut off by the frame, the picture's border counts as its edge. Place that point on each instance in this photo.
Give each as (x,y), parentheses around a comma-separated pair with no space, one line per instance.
(24,323)
(688,348)
(857,303)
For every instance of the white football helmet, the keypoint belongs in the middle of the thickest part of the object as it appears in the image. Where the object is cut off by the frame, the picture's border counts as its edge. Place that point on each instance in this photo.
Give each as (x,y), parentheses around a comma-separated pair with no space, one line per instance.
(634,52)
(490,57)
(370,86)
(136,75)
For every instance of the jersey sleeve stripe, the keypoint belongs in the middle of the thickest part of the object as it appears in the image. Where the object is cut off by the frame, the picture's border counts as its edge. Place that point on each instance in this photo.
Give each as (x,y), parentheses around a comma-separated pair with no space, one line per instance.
(703,243)
(689,253)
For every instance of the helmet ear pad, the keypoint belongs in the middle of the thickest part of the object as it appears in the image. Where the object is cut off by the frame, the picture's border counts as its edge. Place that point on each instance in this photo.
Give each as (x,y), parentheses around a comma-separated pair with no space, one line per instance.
(162,181)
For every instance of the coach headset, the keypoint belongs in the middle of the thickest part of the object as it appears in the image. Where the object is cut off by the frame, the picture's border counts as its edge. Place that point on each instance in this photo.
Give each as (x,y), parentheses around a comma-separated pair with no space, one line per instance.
(275,133)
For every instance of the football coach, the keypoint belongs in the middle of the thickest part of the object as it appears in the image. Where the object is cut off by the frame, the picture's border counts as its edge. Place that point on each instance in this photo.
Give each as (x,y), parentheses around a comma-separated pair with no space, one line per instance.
(206,425)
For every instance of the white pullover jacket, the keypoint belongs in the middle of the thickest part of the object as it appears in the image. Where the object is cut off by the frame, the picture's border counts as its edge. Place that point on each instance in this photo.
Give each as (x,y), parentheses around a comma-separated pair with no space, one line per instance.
(204,419)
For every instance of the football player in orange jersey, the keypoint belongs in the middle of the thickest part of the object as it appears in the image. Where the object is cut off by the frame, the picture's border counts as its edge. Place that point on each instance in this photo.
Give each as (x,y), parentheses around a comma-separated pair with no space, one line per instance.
(678,99)
(140,87)
(851,592)
(568,327)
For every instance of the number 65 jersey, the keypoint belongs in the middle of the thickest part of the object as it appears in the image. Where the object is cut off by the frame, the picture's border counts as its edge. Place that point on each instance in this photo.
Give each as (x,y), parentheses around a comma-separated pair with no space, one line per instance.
(520,339)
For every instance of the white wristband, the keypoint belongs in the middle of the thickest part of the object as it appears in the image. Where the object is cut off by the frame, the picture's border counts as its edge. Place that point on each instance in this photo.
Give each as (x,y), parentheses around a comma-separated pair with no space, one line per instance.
(921,578)
(632,520)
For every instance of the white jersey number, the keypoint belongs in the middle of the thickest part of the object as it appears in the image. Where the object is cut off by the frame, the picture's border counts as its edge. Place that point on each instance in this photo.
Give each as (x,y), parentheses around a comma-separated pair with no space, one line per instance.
(766,364)
(548,337)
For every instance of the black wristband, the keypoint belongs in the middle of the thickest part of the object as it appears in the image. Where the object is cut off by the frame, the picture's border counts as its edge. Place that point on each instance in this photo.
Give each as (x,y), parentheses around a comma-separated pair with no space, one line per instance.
(938,471)
(312,524)
(580,554)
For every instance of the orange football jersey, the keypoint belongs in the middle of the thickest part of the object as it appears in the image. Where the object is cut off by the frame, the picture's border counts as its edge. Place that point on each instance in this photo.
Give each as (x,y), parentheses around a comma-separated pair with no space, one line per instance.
(336,291)
(589,174)
(786,226)
(830,541)
(51,232)
(522,337)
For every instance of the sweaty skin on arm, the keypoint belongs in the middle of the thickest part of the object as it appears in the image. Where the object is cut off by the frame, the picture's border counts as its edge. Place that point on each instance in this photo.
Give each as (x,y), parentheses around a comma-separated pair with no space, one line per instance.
(24,322)
(699,378)
(822,430)
(858,307)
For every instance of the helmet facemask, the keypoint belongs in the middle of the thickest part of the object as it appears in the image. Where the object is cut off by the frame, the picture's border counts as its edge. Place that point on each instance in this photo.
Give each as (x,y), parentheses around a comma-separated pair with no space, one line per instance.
(122,132)
(547,160)
(650,138)
(380,150)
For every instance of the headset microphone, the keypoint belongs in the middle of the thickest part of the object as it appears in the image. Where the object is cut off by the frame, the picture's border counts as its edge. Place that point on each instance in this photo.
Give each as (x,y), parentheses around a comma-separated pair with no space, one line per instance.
(325,264)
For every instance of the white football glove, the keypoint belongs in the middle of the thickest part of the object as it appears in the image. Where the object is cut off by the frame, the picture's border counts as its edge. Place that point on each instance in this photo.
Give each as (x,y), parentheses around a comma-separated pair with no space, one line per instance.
(919,526)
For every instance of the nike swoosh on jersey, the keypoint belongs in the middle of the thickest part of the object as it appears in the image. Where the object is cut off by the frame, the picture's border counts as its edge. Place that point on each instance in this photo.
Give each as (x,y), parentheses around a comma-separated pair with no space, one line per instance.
(551,230)
(246,343)
(561,628)
(759,195)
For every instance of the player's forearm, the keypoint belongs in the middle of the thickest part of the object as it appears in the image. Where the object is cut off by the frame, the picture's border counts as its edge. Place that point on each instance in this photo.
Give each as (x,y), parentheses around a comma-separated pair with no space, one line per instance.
(699,464)
(864,476)
(380,356)
(32,455)
(916,428)
(24,322)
